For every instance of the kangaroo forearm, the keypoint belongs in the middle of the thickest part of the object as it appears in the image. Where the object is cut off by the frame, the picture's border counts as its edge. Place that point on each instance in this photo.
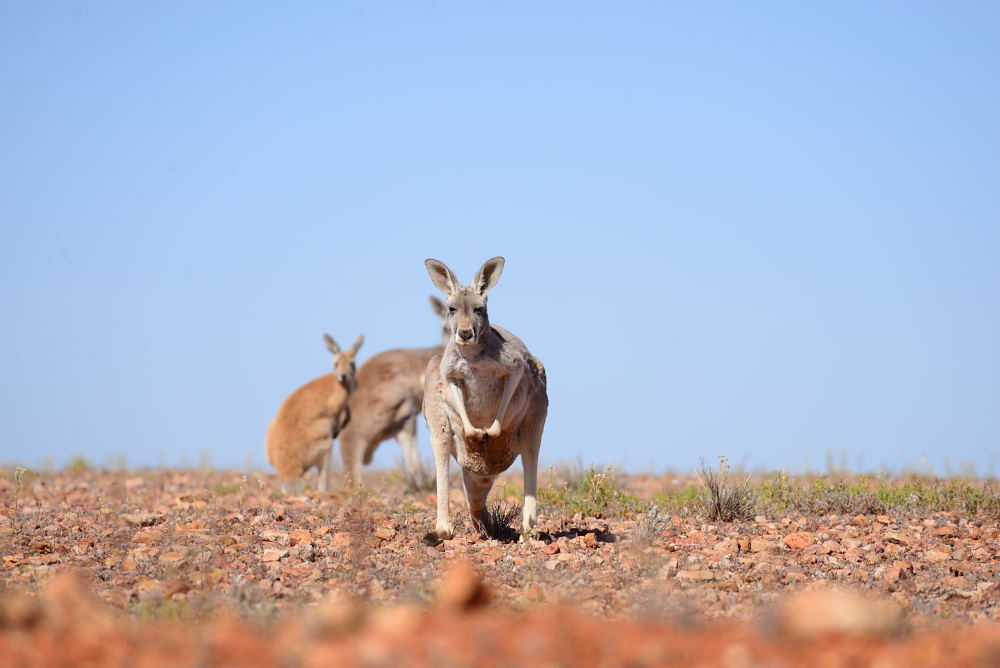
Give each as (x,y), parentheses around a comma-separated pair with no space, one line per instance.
(458,398)
(510,384)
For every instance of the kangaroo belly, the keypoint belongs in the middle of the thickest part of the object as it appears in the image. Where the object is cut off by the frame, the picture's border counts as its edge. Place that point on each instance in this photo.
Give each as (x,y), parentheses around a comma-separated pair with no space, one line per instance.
(491,456)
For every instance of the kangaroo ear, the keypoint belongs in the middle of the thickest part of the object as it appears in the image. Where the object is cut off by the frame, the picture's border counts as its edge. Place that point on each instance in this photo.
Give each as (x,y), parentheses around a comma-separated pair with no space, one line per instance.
(438,306)
(443,277)
(487,276)
(357,344)
(331,345)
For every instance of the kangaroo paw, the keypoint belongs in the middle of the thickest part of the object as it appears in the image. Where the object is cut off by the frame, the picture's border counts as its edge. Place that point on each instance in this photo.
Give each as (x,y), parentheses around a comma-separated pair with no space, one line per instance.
(475,434)
(435,538)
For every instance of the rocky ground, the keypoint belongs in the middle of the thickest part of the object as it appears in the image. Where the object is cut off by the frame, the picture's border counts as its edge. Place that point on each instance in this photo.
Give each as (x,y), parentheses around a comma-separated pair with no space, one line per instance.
(320,577)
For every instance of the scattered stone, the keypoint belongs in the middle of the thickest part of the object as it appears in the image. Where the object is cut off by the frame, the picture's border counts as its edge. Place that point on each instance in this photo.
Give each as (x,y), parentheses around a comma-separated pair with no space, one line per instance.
(462,588)
(818,613)
(798,541)
(279,537)
(937,556)
(272,554)
(386,533)
(171,558)
(895,537)
(336,614)
(147,536)
(144,519)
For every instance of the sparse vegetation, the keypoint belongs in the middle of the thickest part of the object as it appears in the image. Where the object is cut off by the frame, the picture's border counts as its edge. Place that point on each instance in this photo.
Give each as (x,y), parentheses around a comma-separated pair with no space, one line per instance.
(651,524)
(868,495)
(597,495)
(568,474)
(419,478)
(498,518)
(78,464)
(19,483)
(227,488)
(722,498)
(677,501)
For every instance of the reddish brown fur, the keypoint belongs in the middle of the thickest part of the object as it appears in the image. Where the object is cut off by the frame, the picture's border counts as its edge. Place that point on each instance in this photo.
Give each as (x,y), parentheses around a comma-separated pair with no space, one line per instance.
(301,435)
(307,422)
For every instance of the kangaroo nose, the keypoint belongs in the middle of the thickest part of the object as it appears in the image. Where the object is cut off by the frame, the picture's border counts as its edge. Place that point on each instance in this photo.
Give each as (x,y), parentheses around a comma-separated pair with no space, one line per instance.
(465,334)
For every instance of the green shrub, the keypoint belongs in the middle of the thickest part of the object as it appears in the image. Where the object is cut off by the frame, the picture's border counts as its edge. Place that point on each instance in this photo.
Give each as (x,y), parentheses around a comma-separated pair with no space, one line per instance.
(678,500)
(598,495)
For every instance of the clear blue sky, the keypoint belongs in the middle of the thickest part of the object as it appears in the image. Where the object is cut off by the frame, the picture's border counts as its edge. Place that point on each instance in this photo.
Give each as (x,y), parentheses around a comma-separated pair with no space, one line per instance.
(770,230)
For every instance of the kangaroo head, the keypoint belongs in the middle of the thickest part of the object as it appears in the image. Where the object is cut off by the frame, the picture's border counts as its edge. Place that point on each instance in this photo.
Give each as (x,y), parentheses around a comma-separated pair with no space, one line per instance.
(343,360)
(466,318)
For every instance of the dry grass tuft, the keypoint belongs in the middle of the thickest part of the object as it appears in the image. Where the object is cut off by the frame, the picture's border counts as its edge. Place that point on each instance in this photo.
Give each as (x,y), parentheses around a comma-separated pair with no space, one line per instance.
(651,525)
(722,498)
(498,518)
(421,479)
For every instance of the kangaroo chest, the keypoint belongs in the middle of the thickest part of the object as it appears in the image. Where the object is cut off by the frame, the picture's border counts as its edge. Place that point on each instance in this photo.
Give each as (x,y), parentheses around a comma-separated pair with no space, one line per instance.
(483,385)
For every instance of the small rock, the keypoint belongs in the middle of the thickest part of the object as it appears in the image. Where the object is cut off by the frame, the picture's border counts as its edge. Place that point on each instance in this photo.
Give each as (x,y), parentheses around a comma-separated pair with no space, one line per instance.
(899,570)
(271,554)
(961,568)
(279,537)
(798,541)
(818,613)
(554,564)
(144,519)
(703,575)
(491,554)
(18,610)
(937,556)
(385,533)
(147,536)
(397,621)
(300,537)
(832,546)
(551,548)
(171,558)
(892,549)
(895,537)
(590,540)
(336,614)
(462,588)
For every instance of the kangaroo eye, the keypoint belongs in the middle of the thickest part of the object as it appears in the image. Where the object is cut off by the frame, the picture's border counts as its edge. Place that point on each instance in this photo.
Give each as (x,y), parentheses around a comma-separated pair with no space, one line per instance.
(451,309)
(479,309)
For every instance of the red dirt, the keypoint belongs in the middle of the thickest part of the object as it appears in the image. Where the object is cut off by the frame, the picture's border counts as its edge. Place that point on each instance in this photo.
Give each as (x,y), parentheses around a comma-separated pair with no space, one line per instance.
(184,568)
